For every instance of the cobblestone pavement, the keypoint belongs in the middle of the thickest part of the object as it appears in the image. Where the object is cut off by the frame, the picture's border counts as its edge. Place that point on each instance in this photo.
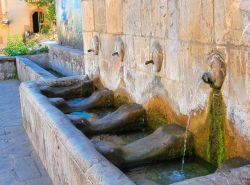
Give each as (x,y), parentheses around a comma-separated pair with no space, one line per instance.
(19,164)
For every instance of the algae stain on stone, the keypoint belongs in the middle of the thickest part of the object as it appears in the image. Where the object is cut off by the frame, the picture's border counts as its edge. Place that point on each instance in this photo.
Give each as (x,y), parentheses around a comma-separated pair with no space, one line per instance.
(216,141)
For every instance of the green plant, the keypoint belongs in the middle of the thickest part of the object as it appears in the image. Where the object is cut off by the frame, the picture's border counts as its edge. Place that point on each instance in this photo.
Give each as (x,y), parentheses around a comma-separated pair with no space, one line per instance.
(30,43)
(50,8)
(15,46)
(45,29)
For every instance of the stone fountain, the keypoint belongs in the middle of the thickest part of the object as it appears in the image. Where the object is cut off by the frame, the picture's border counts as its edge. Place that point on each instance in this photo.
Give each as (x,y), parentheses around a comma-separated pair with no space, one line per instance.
(215,78)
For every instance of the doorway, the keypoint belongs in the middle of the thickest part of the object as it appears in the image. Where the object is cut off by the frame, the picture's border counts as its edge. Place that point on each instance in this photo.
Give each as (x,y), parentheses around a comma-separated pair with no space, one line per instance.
(38,21)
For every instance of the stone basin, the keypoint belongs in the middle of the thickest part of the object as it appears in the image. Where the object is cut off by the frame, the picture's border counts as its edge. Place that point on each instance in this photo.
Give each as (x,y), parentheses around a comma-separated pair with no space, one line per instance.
(71,158)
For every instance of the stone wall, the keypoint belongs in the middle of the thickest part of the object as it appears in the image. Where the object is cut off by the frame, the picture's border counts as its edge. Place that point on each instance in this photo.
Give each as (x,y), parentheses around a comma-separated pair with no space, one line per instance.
(69,23)
(40,59)
(65,60)
(187,32)
(67,154)
(28,70)
(7,68)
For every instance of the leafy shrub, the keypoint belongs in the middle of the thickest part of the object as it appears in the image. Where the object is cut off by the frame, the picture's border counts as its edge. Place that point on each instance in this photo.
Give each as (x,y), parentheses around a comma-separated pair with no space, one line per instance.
(45,29)
(30,43)
(15,46)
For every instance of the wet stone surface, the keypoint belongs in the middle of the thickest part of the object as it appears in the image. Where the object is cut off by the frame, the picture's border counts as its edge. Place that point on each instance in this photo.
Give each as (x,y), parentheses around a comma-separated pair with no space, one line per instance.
(19,164)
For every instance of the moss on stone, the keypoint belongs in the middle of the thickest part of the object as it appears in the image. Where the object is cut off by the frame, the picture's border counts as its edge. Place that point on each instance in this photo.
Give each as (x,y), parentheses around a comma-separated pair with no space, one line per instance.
(216,143)
(121,100)
(155,119)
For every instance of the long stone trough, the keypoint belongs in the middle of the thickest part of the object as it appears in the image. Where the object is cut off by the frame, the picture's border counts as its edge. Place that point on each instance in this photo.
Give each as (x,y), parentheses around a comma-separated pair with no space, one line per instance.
(67,154)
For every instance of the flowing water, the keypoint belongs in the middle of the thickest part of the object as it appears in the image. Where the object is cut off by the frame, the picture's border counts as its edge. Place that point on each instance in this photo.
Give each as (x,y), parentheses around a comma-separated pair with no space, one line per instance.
(194,96)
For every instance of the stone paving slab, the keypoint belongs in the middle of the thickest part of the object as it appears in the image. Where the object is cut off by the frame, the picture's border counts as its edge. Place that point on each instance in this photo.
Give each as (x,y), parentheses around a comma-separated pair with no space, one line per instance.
(19,164)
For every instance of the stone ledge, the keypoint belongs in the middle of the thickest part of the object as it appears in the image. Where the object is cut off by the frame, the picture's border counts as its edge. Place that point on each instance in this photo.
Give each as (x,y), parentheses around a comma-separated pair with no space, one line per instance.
(66,60)
(7,67)
(7,58)
(234,176)
(28,70)
(68,156)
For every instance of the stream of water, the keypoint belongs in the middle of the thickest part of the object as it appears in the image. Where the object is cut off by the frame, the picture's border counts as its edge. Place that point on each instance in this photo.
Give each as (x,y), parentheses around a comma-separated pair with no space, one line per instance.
(194,96)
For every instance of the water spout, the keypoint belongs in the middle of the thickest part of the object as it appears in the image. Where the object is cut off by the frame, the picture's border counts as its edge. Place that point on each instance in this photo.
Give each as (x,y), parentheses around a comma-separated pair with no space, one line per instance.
(188,124)
(215,78)
(90,50)
(115,54)
(149,62)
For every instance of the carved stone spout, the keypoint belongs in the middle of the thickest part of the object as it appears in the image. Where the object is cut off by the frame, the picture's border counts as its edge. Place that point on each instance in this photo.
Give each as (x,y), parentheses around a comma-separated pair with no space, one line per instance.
(156,57)
(118,48)
(149,62)
(216,75)
(94,46)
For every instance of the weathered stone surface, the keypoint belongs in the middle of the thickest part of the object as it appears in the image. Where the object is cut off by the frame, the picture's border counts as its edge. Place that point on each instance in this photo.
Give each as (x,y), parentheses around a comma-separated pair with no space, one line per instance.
(7,68)
(40,59)
(100,15)
(145,182)
(29,70)
(234,176)
(232,163)
(88,16)
(165,143)
(81,89)
(67,154)
(187,32)
(99,99)
(64,81)
(66,61)
(196,20)
(232,22)
(69,23)
(131,17)
(114,16)
(128,116)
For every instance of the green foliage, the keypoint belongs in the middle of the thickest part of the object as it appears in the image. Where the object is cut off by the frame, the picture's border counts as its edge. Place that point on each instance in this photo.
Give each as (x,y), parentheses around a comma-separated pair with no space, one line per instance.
(30,43)
(50,6)
(16,46)
(45,29)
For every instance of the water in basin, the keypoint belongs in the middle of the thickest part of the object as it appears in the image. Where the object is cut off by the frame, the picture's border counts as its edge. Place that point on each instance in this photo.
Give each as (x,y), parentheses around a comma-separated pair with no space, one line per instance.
(170,171)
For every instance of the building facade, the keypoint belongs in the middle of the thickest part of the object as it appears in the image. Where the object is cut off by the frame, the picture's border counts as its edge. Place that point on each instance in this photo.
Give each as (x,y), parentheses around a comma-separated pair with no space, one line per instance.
(16,17)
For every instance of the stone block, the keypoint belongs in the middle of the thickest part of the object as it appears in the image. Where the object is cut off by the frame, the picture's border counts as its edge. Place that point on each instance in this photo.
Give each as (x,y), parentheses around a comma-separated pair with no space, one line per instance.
(142,53)
(146,18)
(232,19)
(66,61)
(100,16)
(159,18)
(196,20)
(114,16)
(132,17)
(129,57)
(172,19)
(88,15)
